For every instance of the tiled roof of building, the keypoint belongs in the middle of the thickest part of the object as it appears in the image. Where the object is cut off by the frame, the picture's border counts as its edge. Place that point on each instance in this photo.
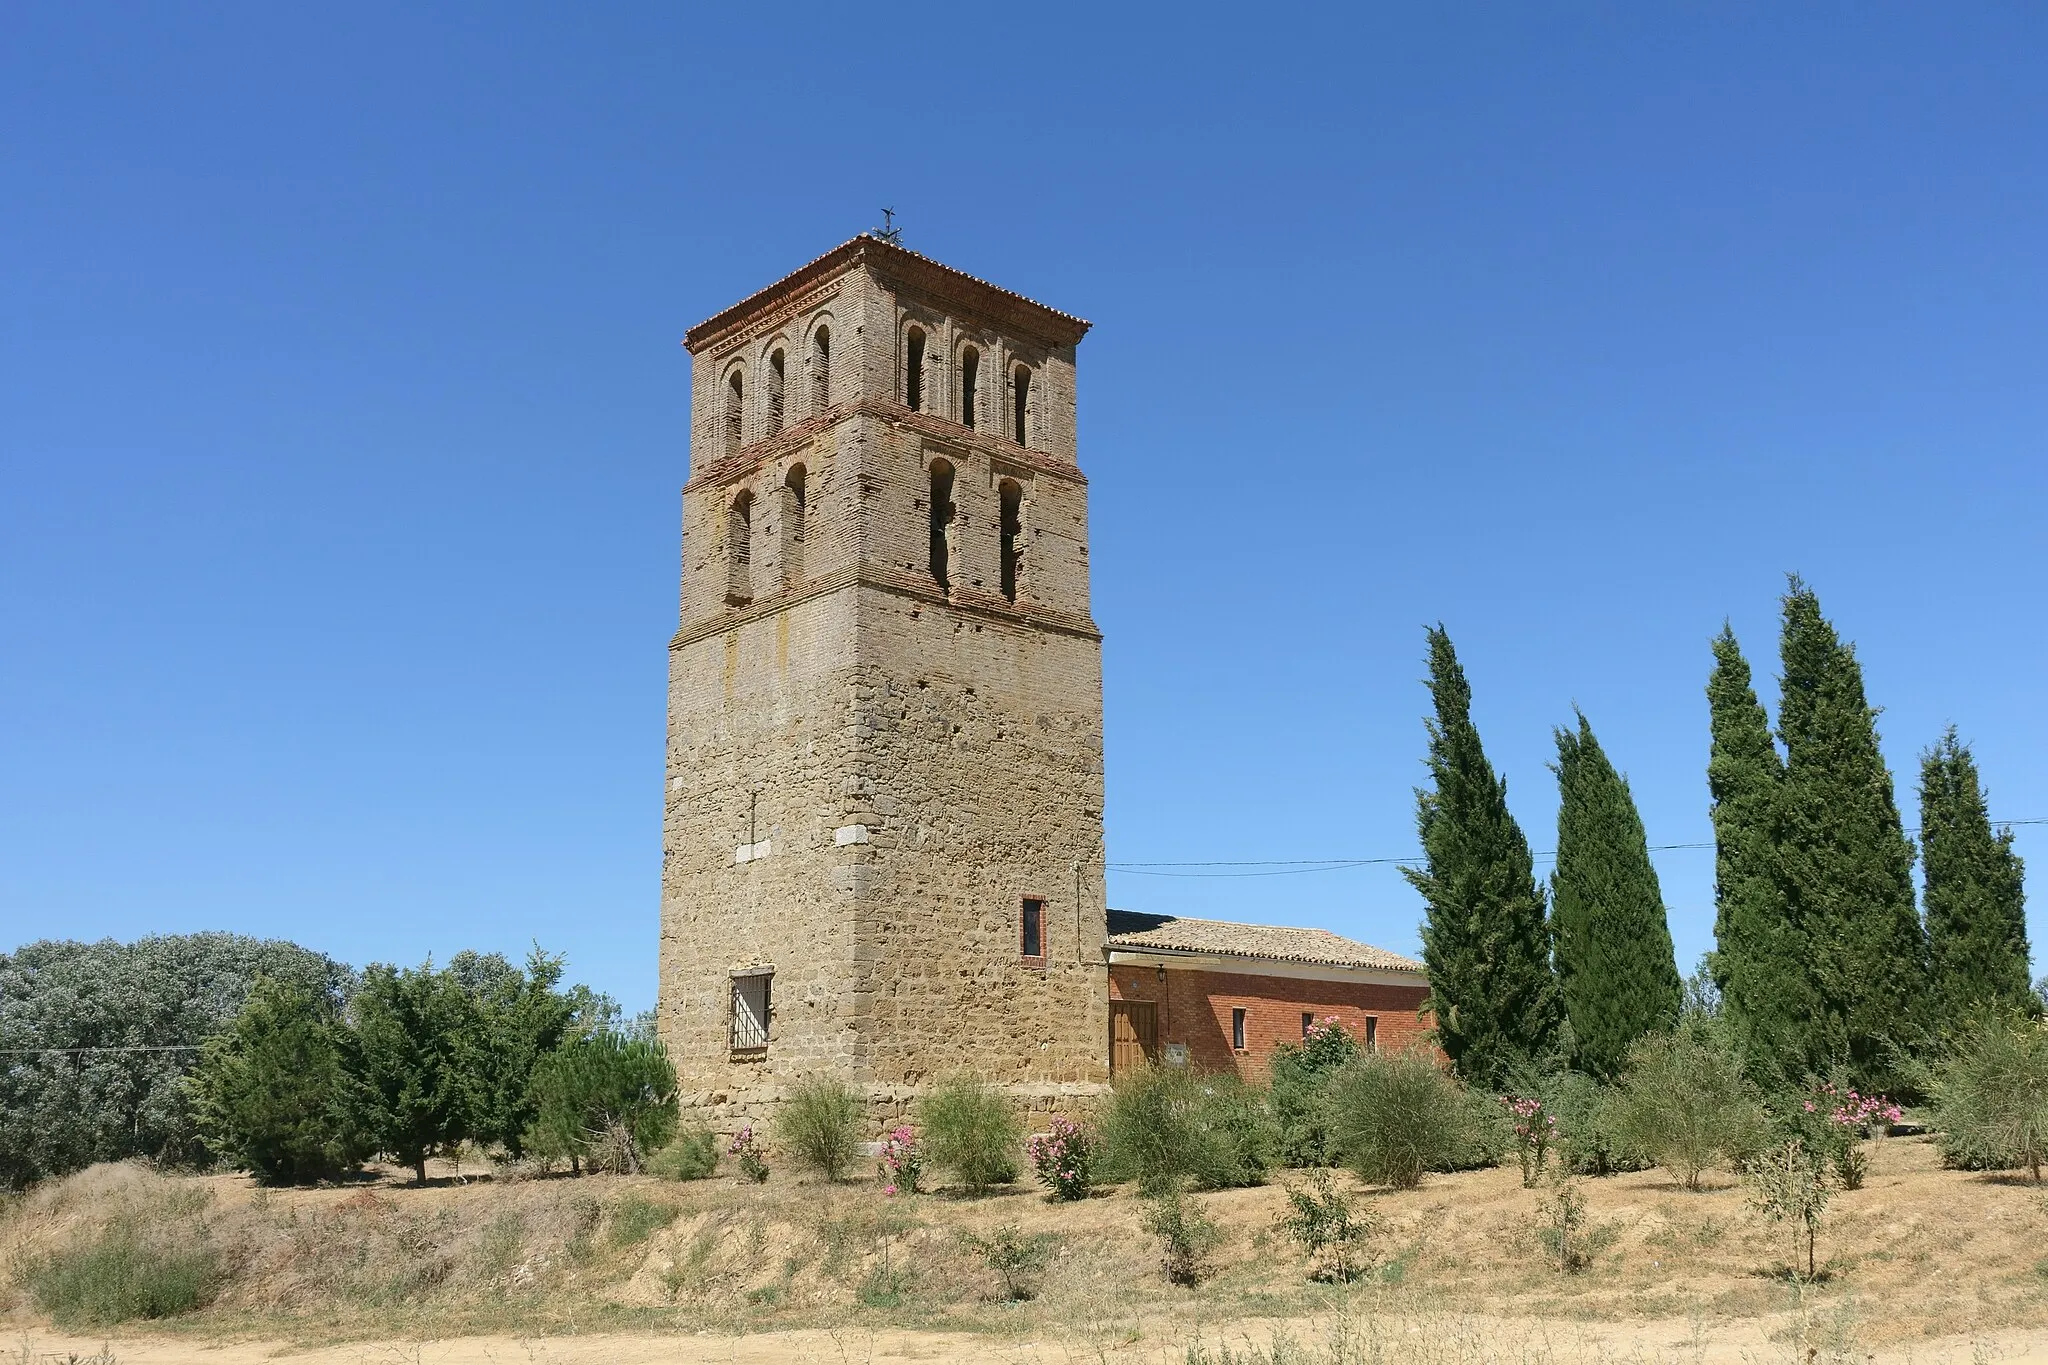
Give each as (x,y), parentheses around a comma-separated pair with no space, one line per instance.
(1267,942)
(1070,327)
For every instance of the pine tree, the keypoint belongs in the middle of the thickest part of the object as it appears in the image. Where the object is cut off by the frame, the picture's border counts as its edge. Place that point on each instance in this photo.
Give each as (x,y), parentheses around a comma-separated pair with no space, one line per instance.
(1846,860)
(1485,938)
(1976,905)
(273,1091)
(1616,970)
(412,1031)
(1758,962)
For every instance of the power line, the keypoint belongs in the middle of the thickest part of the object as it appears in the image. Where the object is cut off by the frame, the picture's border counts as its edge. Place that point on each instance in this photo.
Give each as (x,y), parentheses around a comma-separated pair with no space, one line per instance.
(74,1051)
(1288,867)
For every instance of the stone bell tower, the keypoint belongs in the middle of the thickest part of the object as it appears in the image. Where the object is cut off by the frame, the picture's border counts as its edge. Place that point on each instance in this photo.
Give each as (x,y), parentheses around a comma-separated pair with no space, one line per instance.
(882,840)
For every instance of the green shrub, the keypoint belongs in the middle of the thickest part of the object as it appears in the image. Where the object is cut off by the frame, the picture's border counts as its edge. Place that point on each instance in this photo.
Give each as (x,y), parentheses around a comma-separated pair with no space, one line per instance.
(1991,1096)
(119,1275)
(1589,1141)
(692,1156)
(970,1129)
(820,1126)
(1684,1102)
(271,1092)
(1166,1126)
(1396,1115)
(634,1220)
(1015,1257)
(1299,1092)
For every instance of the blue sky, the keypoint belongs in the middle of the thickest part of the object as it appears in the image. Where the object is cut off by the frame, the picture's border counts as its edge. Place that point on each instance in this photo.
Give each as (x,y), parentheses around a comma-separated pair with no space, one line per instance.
(342,415)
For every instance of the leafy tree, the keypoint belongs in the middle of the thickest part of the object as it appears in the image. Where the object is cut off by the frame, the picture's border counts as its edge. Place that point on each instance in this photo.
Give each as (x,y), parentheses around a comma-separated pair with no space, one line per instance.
(518,1018)
(1616,969)
(1485,938)
(1846,860)
(97,1038)
(604,1099)
(1759,963)
(415,1028)
(274,1093)
(1976,904)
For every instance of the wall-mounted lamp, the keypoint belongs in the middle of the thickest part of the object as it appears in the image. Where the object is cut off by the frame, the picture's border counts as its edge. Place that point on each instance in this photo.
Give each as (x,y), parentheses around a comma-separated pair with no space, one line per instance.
(1162,973)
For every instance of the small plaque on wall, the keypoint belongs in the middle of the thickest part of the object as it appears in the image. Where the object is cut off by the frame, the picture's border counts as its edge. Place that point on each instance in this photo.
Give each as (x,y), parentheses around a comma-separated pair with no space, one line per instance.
(1176,1054)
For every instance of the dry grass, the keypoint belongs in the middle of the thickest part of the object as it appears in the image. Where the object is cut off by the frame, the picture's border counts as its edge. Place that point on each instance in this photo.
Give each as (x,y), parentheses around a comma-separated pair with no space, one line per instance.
(1918,1253)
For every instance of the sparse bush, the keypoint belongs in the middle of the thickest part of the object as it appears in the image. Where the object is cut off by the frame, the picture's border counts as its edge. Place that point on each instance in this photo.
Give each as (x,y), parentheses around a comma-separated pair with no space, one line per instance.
(820,1126)
(692,1156)
(1394,1116)
(1015,1257)
(1300,1077)
(973,1131)
(746,1151)
(1333,1236)
(1788,1183)
(1063,1158)
(634,1220)
(1562,1222)
(1186,1234)
(1684,1103)
(1991,1096)
(1168,1125)
(120,1274)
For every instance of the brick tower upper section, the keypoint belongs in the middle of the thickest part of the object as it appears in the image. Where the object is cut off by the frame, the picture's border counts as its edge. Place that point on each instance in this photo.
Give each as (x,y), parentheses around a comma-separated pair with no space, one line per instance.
(883,825)
(873,330)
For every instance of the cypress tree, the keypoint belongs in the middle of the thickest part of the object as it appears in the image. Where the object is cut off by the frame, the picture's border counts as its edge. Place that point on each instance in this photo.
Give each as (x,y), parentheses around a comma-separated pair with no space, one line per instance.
(1847,863)
(1616,970)
(1758,962)
(1976,906)
(1485,938)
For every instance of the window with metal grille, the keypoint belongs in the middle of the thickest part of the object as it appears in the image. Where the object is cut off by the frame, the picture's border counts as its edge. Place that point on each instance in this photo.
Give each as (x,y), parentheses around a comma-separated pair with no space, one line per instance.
(1237,1029)
(1033,927)
(750,1011)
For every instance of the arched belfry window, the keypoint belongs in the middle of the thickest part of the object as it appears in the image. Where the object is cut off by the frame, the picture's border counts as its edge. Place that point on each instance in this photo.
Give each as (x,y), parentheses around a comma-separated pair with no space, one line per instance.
(1020,405)
(1011,535)
(821,369)
(739,550)
(970,377)
(941,523)
(913,369)
(735,408)
(775,368)
(793,509)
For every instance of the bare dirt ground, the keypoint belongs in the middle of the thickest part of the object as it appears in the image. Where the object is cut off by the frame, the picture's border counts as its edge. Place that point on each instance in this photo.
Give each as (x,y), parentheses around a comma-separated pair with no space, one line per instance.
(1922,1264)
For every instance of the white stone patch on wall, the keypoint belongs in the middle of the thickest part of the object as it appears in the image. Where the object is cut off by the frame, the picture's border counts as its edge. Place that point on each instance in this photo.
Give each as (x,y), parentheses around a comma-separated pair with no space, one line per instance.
(850,834)
(747,853)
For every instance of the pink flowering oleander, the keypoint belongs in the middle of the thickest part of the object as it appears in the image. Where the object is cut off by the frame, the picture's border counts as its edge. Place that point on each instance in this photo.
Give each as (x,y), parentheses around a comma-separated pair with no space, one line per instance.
(902,1163)
(1060,1157)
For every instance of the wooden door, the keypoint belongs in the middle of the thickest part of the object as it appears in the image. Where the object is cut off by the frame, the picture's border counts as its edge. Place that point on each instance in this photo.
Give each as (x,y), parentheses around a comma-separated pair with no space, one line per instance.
(1133,1034)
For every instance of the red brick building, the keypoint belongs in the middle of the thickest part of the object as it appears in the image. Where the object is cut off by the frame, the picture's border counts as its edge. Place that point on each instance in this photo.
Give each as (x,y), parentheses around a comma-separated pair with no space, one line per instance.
(1222,996)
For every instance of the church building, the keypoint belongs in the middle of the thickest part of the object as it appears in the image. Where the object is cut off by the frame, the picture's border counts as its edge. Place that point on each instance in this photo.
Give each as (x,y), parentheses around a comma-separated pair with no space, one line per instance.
(883,842)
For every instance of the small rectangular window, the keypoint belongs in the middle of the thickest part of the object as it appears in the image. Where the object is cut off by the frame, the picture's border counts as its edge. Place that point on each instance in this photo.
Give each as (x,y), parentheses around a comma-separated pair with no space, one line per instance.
(1372,1033)
(750,1011)
(1237,1029)
(1034,928)
(1308,1021)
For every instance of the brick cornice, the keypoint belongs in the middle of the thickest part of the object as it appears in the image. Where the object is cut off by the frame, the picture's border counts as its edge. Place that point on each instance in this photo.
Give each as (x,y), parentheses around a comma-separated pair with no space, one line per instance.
(749,459)
(987,606)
